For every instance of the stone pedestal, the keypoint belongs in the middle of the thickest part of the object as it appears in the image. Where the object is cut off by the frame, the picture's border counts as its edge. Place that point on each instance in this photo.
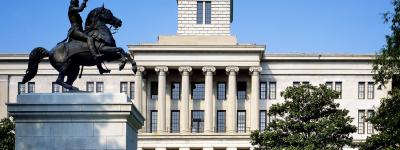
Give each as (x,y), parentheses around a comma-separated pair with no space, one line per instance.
(75,121)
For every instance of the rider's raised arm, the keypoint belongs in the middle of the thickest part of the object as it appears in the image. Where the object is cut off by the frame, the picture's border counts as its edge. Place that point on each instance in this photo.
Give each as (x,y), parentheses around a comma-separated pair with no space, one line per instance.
(80,8)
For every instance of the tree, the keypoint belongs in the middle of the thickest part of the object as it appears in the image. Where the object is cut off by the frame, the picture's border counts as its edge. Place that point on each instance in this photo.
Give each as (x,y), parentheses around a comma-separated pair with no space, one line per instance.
(387,68)
(387,64)
(308,119)
(7,134)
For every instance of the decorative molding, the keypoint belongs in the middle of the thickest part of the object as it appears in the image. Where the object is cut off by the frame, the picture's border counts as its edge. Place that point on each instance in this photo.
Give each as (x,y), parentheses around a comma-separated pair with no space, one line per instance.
(208,69)
(161,69)
(257,69)
(232,69)
(185,69)
(140,69)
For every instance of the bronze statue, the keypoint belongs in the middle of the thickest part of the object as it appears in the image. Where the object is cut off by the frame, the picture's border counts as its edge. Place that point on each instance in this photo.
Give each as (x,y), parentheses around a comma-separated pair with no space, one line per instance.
(67,57)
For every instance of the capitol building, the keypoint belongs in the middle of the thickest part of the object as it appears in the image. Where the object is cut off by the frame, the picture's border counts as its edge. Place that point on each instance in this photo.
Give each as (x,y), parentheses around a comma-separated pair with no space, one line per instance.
(202,90)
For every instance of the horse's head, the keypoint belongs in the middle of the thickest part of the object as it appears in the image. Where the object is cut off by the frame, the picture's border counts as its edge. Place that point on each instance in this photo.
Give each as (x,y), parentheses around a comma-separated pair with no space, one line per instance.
(101,16)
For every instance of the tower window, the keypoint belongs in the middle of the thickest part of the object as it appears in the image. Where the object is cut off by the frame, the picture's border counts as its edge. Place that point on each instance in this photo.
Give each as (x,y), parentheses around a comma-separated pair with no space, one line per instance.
(99,87)
(31,87)
(90,87)
(203,12)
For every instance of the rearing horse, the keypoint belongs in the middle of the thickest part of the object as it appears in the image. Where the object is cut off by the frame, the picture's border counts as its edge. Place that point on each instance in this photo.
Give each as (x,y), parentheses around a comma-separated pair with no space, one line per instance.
(66,58)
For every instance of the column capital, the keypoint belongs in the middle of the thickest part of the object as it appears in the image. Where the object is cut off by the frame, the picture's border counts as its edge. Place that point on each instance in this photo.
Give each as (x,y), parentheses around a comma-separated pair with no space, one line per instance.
(232,69)
(161,69)
(208,69)
(255,69)
(185,69)
(140,70)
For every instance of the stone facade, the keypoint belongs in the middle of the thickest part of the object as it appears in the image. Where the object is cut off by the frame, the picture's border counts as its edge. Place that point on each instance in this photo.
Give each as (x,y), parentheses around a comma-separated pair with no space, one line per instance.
(220,18)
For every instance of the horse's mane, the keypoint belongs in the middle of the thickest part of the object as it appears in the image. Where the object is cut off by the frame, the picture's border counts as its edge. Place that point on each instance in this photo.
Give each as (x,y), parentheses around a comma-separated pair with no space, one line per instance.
(92,16)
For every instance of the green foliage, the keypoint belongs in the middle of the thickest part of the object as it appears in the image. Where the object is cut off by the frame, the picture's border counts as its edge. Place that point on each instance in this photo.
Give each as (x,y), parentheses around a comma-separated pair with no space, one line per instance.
(7,134)
(387,68)
(308,119)
(387,122)
(387,64)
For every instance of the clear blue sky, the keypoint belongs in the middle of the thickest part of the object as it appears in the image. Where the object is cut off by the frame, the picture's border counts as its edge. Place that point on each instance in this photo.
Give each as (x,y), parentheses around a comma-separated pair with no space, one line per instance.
(301,26)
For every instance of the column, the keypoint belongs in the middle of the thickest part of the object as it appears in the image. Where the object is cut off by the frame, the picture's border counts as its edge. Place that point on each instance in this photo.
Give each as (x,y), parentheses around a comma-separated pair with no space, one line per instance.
(231,102)
(162,71)
(255,97)
(208,99)
(138,89)
(185,122)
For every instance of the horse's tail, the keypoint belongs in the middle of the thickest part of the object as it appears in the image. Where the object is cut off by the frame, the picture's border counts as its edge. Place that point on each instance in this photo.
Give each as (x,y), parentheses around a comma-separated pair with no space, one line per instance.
(35,57)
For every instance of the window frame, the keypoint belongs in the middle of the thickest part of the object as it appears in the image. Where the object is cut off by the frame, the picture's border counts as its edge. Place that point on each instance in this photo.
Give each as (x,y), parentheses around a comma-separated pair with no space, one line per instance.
(272,91)
(54,89)
(132,90)
(221,126)
(31,87)
(339,88)
(153,121)
(99,87)
(219,92)
(201,90)
(175,92)
(123,87)
(241,124)
(361,90)
(370,90)
(262,122)
(361,122)
(21,88)
(370,126)
(240,91)
(154,90)
(264,91)
(175,126)
(199,123)
(88,83)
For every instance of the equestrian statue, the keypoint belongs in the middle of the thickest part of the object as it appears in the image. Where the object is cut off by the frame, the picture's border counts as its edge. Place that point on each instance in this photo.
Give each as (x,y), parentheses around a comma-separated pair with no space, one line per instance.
(89,46)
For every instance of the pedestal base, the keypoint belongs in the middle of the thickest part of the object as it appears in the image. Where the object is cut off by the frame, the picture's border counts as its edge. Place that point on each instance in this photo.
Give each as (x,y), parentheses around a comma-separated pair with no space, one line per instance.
(75,121)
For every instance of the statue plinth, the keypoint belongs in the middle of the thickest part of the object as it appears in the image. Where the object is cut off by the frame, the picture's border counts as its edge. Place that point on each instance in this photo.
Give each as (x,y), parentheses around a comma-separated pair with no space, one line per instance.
(75,121)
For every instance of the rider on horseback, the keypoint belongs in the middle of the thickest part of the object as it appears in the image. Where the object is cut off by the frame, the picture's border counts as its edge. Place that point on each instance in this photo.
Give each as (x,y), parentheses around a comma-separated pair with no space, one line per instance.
(76,30)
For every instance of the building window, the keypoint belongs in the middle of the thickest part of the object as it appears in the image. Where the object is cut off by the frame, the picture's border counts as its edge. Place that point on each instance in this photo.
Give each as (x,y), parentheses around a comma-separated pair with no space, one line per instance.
(263,120)
(90,87)
(370,126)
(329,85)
(338,88)
(198,91)
(371,90)
(203,12)
(241,91)
(263,90)
(221,91)
(208,12)
(123,87)
(132,90)
(55,88)
(64,90)
(99,87)
(296,84)
(175,91)
(21,88)
(153,121)
(361,121)
(154,90)
(241,121)
(31,87)
(197,121)
(272,90)
(221,121)
(361,90)
(175,121)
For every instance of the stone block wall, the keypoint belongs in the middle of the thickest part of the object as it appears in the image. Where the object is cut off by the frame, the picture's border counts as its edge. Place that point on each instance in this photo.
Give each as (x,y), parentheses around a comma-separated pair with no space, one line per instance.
(220,18)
